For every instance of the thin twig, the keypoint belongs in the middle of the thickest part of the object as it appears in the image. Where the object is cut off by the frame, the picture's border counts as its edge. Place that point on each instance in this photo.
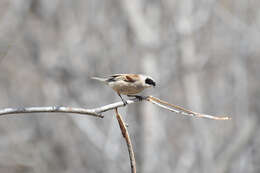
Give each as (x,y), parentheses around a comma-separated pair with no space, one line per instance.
(125,134)
(181,110)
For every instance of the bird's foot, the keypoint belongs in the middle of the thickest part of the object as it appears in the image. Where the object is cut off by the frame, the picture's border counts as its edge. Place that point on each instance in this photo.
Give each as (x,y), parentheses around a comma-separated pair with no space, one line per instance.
(125,102)
(140,98)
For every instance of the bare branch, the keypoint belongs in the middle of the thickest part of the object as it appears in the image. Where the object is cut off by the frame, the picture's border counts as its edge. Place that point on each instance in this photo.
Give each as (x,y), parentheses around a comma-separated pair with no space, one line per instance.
(97,112)
(181,110)
(114,105)
(62,109)
(128,141)
(59,109)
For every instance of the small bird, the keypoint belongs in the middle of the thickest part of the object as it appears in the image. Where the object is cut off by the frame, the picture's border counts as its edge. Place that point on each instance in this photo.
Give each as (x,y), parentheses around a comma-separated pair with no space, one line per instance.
(127,84)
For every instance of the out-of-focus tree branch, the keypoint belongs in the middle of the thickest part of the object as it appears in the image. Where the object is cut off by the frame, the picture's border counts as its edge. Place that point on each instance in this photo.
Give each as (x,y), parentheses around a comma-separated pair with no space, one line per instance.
(236,146)
(146,35)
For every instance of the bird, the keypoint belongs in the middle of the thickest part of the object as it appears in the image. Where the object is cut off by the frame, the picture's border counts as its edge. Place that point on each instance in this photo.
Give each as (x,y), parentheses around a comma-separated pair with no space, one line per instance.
(127,84)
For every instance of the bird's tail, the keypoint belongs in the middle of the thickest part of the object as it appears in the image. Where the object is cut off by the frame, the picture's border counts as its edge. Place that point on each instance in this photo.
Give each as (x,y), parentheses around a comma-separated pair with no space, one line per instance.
(100,79)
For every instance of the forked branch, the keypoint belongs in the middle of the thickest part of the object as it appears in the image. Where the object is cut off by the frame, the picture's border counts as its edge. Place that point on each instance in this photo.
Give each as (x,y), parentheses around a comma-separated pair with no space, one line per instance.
(97,112)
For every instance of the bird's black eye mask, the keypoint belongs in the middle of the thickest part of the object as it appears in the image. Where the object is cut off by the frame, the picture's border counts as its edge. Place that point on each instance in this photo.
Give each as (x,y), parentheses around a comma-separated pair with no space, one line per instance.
(149,81)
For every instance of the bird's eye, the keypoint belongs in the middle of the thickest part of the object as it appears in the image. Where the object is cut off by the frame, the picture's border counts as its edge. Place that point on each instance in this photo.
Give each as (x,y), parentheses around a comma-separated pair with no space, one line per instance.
(149,81)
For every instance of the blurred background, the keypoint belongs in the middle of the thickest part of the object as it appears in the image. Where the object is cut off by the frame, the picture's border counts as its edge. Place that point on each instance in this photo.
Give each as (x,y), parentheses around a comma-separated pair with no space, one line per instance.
(203,54)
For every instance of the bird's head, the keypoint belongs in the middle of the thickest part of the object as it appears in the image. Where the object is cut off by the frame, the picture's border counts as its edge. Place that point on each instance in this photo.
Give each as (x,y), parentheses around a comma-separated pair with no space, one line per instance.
(148,82)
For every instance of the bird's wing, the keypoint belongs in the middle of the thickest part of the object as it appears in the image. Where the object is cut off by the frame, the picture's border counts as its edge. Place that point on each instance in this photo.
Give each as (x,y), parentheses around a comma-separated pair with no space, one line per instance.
(125,77)
(117,75)
(131,78)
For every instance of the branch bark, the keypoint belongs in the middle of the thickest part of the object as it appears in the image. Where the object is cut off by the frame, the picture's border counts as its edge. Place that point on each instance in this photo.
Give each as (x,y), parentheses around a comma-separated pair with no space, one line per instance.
(128,141)
(49,109)
(181,110)
(97,112)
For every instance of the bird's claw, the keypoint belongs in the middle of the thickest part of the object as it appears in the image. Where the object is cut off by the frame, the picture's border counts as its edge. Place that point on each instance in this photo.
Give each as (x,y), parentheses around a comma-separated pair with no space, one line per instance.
(140,98)
(125,102)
